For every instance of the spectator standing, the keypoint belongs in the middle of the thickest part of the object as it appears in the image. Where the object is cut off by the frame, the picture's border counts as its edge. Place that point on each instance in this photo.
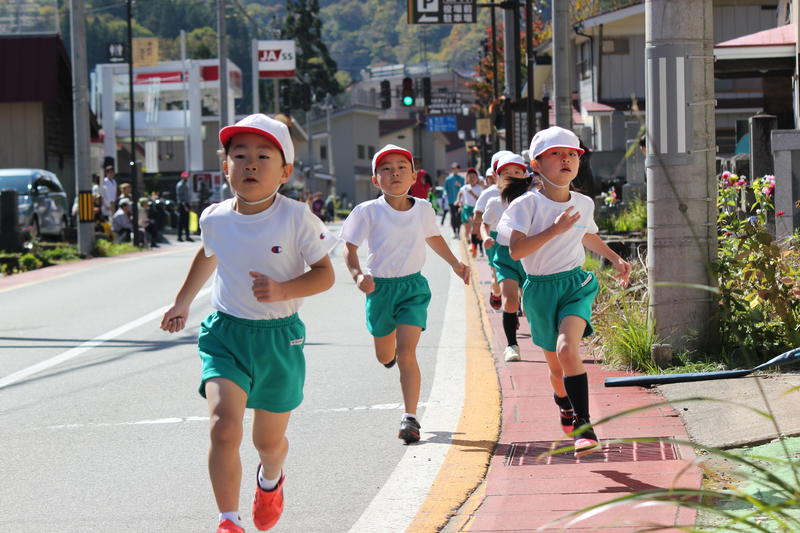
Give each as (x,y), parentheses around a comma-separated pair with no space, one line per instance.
(317,205)
(109,192)
(182,198)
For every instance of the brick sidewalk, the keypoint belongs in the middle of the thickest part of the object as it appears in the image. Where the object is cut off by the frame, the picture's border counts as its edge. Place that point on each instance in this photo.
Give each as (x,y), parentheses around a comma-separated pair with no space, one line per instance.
(522,494)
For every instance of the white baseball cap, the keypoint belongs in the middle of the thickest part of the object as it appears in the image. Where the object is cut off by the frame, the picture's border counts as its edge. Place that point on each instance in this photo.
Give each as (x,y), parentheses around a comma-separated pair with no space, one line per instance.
(260,124)
(554,137)
(386,150)
(489,172)
(509,159)
(497,156)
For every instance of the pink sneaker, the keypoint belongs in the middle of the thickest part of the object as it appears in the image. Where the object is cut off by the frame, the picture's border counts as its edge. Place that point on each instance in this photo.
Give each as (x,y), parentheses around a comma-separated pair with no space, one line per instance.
(268,504)
(226,526)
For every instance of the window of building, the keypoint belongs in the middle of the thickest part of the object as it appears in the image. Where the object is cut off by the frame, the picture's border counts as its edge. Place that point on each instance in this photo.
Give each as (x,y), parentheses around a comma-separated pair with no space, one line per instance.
(361,152)
(323,151)
(371,151)
(584,60)
(616,46)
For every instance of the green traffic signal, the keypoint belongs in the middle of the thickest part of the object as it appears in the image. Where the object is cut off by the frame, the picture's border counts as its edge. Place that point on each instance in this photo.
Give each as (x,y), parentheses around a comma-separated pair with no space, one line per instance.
(407,92)
(408,101)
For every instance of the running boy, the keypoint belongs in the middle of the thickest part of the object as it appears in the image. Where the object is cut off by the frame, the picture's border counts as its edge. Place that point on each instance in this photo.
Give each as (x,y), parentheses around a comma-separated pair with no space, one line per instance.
(467,198)
(513,182)
(548,230)
(396,228)
(257,244)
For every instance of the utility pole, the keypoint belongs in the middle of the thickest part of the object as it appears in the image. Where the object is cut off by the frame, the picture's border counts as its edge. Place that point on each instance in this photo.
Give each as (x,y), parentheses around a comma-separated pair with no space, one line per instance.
(135,185)
(681,182)
(254,64)
(80,113)
(511,60)
(531,57)
(185,105)
(222,47)
(796,79)
(562,65)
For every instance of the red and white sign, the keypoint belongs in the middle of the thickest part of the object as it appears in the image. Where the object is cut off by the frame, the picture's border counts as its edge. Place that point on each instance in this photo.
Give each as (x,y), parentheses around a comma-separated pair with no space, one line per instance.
(276,59)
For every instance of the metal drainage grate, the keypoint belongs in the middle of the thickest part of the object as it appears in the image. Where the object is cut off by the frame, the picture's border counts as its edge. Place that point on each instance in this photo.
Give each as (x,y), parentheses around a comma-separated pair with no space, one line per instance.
(531,453)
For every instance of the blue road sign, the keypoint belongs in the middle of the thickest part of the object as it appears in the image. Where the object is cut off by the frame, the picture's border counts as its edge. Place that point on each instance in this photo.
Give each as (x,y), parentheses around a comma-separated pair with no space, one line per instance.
(440,123)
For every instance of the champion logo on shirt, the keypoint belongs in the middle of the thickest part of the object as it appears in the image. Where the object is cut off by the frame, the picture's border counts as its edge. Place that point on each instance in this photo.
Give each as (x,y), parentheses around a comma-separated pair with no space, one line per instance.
(321,235)
(277,249)
(297,342)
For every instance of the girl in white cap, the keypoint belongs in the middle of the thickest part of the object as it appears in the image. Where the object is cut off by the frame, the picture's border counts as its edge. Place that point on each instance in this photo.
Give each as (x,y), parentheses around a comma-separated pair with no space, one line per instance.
(513,181)
(396,228)
(257,244)
(548,230)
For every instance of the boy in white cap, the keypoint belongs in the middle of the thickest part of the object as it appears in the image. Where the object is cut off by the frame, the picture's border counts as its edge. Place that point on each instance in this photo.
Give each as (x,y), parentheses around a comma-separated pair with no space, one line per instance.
(257,244)
(548,230)
(396,228)
(492,191)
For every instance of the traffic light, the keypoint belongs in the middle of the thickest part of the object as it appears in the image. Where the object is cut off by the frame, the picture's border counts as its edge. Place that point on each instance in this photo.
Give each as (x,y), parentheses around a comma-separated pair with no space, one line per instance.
(407,93)
(426,90)
(386,94)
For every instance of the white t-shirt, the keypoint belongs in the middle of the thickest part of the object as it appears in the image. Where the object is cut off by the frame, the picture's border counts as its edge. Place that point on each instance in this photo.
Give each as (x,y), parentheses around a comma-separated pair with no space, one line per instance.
(532,213)
(109,192)
(495,208)
(395,239)
(469,194)
(486,195)
(278,243)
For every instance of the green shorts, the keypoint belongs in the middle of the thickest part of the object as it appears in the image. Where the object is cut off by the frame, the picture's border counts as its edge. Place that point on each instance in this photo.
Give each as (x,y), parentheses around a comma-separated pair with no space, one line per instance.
(467,211)
(491,252)
(548,299)
(264,357)
(506,267)
(394,301)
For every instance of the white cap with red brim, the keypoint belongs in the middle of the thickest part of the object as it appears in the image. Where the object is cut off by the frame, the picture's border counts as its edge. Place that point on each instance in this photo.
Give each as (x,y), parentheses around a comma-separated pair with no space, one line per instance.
(554,137)
(387,150)
(496,157)
(511,159)
(260,124)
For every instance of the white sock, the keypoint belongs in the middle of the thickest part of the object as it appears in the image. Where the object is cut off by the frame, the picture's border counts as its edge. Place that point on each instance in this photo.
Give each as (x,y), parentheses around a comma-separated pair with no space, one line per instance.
(267,484)
(233,516)
(409,415)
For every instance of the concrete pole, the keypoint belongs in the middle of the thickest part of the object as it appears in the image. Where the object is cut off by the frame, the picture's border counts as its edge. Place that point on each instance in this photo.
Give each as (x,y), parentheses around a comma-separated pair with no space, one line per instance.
(681,180)
(184,74)
(222,47)
(254,63)
(562,65)
(80,113)
(796,80)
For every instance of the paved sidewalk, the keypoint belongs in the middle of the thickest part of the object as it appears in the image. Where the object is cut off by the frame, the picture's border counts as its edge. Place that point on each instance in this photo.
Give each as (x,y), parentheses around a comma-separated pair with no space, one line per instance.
(521,493)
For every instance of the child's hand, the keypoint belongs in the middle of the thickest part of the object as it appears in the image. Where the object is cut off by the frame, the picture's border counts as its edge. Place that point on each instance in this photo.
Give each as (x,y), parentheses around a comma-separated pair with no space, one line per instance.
(623,271)
(566,220)
(266,289)
(462,271)
(488,242)
(365,283)
(175,318)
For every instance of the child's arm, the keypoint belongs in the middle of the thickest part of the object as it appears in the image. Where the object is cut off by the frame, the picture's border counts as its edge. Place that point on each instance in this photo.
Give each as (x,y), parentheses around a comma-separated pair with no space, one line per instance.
(488,242)
(439,246)
(364,282)
(521,245)
(202,267)
(316,280)
(593,242)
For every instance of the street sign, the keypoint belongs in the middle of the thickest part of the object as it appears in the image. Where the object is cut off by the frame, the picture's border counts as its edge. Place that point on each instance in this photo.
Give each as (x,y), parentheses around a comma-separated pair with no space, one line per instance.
(116,53)
(445,104)
(440,123)
(145,51)
(442,11)
(276,59)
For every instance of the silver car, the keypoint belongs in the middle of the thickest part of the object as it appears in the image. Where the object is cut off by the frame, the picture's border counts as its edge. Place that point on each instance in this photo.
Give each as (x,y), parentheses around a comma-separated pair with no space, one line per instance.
(41,198)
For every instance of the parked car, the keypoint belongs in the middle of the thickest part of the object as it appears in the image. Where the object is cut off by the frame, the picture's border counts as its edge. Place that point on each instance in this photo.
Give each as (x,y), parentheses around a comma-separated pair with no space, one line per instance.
(43,208)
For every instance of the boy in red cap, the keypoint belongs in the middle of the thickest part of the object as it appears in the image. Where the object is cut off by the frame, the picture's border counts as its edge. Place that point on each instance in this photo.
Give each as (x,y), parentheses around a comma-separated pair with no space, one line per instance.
(396,228)
(257,244)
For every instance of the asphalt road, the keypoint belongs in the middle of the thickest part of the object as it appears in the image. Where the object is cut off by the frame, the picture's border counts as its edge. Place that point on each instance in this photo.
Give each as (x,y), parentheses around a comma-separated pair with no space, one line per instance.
(108,433)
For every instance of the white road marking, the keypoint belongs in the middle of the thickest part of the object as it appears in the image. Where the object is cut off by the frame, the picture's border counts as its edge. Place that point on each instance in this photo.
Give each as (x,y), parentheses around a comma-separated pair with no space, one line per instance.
(396,504)
(86,346)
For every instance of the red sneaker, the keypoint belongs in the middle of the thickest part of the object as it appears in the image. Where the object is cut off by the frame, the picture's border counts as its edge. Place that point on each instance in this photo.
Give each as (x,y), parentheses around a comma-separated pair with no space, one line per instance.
(268,504)
(495,301)
(226,526)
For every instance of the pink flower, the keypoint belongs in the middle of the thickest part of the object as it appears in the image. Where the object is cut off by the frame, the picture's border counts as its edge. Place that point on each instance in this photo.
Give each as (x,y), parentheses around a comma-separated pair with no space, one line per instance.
(766,190)
(726,175)
(741,182)
(780,213)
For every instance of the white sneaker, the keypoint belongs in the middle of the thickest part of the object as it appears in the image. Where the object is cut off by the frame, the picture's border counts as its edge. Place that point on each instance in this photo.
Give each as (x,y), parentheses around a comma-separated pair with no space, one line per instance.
(511,353)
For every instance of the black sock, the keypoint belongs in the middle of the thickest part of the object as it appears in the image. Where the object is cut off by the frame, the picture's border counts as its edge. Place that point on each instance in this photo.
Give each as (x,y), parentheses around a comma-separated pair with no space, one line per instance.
(578,393)
(562,402)
(510,327)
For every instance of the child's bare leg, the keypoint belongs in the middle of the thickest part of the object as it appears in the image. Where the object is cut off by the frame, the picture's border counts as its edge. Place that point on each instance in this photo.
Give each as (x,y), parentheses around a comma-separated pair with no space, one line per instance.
(510,292)
(410,380)
(386,347)
(570,332)
(556,373)
(269,438)
(226,405)
(495,284)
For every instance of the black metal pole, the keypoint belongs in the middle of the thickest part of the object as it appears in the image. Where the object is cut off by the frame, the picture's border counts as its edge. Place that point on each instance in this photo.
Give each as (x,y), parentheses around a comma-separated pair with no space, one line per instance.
(531,66)
(495,81)
(134,181)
